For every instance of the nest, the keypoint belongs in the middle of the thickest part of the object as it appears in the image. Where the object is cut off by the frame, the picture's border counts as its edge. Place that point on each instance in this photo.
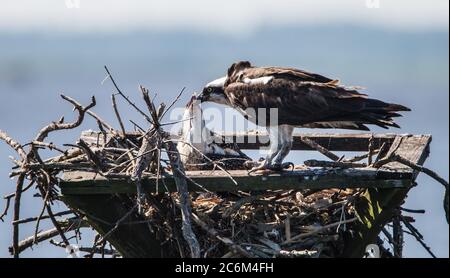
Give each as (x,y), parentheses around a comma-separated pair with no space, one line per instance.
(233,224)
(270,223)
(283,223)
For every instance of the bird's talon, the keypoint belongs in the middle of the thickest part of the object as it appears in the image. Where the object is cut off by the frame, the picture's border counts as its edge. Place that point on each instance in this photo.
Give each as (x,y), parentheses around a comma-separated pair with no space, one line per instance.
(287,165)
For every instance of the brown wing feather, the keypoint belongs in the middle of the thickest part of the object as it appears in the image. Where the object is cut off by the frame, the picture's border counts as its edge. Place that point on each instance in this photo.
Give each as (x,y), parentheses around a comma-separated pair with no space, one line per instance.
(243,69)
(303,103)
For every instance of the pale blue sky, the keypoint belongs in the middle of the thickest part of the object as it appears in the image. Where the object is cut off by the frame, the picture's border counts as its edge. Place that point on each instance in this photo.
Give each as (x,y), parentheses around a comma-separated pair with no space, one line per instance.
(233,16)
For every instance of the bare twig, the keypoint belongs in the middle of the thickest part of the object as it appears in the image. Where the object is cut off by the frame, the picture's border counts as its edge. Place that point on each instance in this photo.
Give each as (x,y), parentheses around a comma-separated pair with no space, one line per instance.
(320,148)
(126,98)
(70,225)
(413,230)
(173,102)
(32,219)
(43,133)
(17,197)
(319,230)
(333,164)
(14,144)
(116,111)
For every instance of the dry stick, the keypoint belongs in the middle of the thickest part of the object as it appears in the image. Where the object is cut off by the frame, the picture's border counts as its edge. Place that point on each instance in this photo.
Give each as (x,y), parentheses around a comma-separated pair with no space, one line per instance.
(105,135)
(419,168)
(397,235)
(13,144)
(91,155)
(180,180)
(53,166)
(181,184)
(50,146)
(321,229)
(8,199)
(116,225)
(132,159)
(287,227)
(116,111)
(319,148)
(32,219)
(126,98)
(73,224)
(388,236)
(49,209)
(136,125)
(158,169)
(102,251)
(36,229)
(111,129)
(412,210)
(370,152)
(8,202)
(418,238)
(43,133)
(54,126)
(361,157)
(380,153)
(192,181)
(144,159)
(19,186)
(215,234)
(333,164)
(173,102)
(95,116)
(414,166)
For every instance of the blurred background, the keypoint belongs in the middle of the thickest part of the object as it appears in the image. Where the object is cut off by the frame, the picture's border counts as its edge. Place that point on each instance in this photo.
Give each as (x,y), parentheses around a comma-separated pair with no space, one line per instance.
(398,50)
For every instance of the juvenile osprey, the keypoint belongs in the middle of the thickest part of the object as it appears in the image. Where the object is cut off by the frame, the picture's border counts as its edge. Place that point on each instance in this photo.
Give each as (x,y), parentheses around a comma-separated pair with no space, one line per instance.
(302,99)
(198,141)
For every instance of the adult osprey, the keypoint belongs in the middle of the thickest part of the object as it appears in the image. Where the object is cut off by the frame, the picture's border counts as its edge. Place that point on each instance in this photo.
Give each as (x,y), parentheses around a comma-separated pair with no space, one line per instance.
(301,98)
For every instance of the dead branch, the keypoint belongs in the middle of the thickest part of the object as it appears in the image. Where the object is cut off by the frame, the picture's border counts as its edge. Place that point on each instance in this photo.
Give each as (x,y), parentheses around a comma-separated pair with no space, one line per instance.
(69,225)
(334,164)
(126,98)
(319,230)
(418,237)
(16,216)
(32,219)
(116,111)
(319,148)
(43,133)
(13,144)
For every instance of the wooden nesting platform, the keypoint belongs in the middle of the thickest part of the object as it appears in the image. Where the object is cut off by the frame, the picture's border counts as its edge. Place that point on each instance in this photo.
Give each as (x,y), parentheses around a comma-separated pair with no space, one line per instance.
(387,186)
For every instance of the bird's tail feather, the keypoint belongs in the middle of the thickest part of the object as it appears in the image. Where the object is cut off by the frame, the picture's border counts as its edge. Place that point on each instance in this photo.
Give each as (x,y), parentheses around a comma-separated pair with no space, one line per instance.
(381,113)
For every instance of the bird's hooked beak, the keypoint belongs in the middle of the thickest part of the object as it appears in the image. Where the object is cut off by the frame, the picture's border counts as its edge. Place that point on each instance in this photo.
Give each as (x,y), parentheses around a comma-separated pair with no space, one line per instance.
(201,97)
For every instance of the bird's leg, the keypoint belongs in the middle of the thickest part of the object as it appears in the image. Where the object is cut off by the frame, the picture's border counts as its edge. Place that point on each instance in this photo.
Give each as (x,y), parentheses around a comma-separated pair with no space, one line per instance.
(286,144)
(275,146)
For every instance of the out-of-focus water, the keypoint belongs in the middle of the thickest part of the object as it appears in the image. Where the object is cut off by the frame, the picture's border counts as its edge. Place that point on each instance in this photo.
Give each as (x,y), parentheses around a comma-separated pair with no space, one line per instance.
(408,68)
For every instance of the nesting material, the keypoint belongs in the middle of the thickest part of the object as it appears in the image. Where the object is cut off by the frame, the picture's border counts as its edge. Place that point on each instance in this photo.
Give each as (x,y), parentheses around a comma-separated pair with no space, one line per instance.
(270,223)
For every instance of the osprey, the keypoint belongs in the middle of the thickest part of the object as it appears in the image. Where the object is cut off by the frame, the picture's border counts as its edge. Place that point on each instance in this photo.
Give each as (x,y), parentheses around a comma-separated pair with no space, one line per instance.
(300,98)
(198,141)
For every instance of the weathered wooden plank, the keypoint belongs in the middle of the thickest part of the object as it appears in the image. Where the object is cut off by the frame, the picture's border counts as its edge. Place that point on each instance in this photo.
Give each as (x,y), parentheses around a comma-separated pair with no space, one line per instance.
(253,140)
(357,142)
(84,182)
(377,207)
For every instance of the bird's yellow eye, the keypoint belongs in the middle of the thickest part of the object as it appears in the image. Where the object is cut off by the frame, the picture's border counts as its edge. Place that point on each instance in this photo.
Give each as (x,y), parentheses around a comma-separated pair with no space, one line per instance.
(209,90)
